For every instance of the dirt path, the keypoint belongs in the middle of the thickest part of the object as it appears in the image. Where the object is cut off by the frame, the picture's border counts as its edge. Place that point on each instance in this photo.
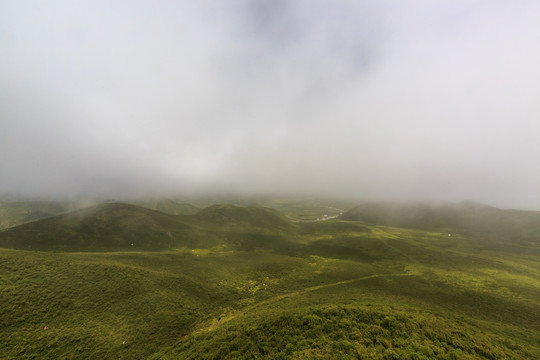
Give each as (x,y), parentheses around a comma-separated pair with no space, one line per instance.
(227,316)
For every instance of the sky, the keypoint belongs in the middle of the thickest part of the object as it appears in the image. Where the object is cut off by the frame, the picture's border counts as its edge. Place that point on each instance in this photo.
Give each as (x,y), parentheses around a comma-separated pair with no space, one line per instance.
(379,100)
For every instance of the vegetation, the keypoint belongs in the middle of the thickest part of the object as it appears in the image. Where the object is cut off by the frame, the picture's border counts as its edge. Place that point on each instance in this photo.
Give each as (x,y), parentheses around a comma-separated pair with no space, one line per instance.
(21,212)
(16,213)
(246,282)
(483,222)
(167,206)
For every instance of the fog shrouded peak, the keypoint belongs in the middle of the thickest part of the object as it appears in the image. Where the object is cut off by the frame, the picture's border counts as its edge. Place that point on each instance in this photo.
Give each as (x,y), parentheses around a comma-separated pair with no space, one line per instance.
(411,100)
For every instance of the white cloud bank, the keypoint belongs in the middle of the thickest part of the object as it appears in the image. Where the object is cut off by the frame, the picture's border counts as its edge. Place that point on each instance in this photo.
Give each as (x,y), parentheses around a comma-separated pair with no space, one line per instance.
(416,100)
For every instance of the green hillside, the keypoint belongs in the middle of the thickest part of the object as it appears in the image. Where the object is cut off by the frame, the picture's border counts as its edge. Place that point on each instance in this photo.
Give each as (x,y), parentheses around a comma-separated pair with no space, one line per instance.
(245,217)
(117,226)
(13,213)
(244,282)
(484,222)
(306,209)
(110,226)
(16,213)
(167,206)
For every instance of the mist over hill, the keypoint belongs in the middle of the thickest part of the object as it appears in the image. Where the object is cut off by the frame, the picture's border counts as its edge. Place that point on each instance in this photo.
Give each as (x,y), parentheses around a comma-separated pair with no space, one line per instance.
(365,100)
(110,226)
(245,217)
(118,226)
(468,218)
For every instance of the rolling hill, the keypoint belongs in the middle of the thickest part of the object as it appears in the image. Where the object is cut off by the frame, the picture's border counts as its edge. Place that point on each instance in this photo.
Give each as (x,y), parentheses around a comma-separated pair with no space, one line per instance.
(244,282)
(117,226)
(252,217)
(105,227)
(482,221)
(167,206)
(14,213)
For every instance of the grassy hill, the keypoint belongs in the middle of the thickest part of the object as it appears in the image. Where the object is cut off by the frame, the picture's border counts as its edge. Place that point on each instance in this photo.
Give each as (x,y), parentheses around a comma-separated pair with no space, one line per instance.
(482,221)
(117,226)
(13,213)
(16,213)
(244,282)
(167,206)
(104,227)
(245,217)
(306,209)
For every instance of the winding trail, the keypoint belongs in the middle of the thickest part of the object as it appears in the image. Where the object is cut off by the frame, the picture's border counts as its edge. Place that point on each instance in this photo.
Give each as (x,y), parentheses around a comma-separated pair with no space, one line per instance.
(226,317)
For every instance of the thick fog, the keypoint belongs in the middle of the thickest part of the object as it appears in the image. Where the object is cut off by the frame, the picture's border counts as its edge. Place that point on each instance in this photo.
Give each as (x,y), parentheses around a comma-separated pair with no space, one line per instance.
(379,100)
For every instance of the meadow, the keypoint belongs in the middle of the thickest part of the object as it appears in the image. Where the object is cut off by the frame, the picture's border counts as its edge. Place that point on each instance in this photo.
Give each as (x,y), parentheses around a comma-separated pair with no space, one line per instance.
(247,282)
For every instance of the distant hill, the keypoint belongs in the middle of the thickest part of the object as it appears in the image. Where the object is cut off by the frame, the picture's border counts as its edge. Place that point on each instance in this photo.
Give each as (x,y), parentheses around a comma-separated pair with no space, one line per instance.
(464,217)
(250,217)
(110,226)
(167,206)
(172,207)
(20,212)
(117,226)
(13,213)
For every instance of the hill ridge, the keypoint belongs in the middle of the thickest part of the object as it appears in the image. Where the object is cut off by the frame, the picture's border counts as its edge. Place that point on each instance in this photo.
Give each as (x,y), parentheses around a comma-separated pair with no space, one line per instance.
(465,217)
(118,226)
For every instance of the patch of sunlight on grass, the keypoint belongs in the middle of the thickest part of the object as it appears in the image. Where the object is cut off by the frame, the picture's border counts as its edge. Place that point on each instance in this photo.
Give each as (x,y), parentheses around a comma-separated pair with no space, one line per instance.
(516,279)
(382,234)
(320,263)
(200,252)
(485,280)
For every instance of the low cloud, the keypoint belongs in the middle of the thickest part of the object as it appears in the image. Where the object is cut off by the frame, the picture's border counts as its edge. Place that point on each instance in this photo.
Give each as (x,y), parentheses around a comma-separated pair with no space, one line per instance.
(424,100)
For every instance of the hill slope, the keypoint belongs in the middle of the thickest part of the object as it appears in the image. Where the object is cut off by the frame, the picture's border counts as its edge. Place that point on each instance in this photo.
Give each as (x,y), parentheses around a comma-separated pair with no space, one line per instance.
(254,217)
(466,218)
(117,226)
(105,227)
(335,289)
(167,206)
(16,213)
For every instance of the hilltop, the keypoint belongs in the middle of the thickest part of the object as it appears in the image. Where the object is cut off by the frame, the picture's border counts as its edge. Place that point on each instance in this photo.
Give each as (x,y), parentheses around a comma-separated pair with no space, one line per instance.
(105,227)
(125,227)
(483,221)
(14,213)
(421,216)
(245,217)
(167,206)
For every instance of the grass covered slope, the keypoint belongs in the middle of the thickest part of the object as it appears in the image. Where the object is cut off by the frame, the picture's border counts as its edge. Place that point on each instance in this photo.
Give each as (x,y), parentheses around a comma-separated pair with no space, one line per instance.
(482,221)
(167,206)
(384,293)
(86,305)
(16,213)
(348,332)
(239,217)
(263,288)
(117,226)
(105,227)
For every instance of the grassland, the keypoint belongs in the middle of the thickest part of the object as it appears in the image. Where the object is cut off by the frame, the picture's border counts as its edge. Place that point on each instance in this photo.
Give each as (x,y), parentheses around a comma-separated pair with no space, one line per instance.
(248,283)
(13,213)
(16,213)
